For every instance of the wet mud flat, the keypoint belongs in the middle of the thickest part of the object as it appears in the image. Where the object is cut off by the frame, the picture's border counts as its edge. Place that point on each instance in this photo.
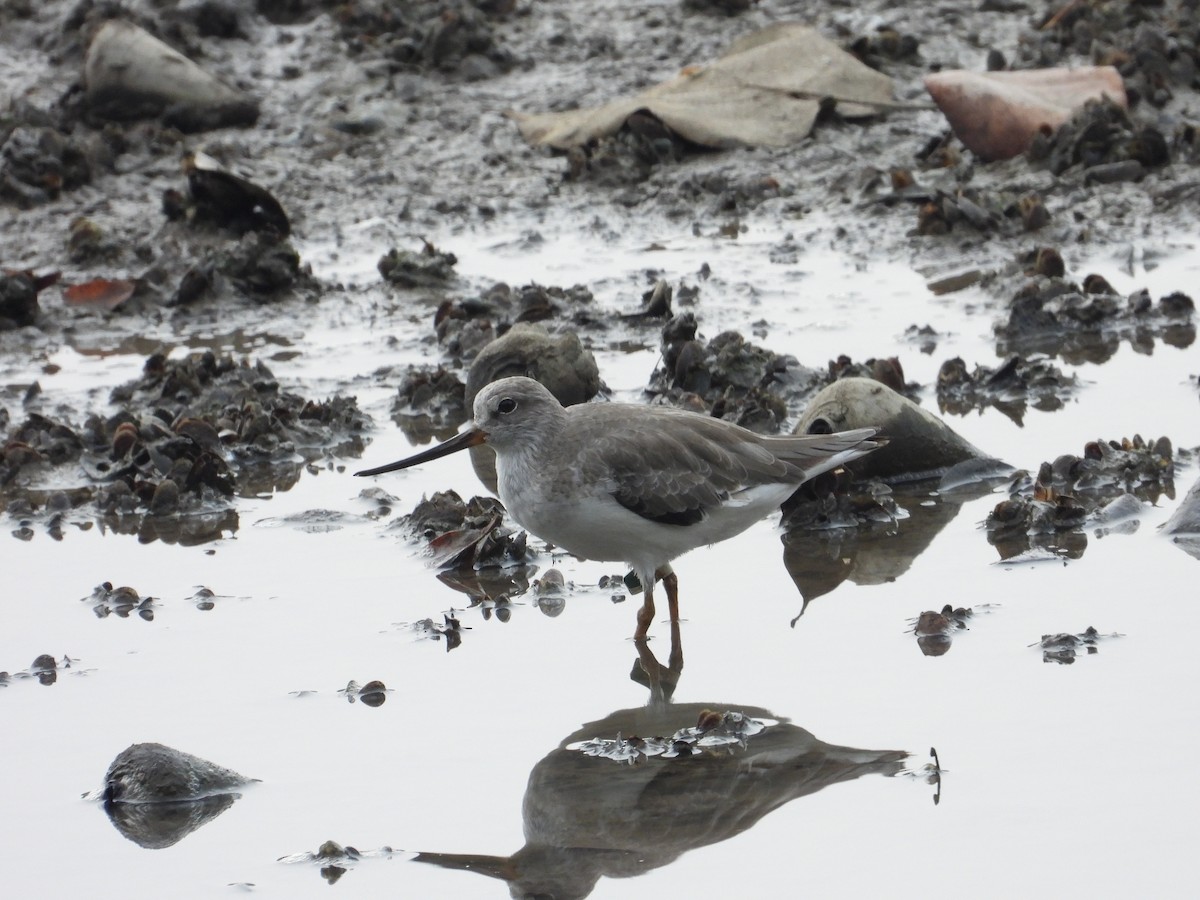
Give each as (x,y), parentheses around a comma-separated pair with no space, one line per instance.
(212,312)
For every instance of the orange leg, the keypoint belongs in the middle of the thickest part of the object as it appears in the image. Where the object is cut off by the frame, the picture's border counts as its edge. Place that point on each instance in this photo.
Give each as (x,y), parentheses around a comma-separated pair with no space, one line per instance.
(645,615)
(671,583)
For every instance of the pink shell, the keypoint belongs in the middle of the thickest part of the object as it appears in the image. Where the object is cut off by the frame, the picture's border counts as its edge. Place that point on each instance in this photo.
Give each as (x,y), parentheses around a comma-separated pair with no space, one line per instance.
(997,114)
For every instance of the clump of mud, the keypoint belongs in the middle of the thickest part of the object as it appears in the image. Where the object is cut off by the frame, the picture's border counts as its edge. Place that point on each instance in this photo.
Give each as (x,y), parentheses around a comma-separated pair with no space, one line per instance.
(465,325)
(1064,647)
(121,601)
(44,669)
(430,267)
(188,436)
(465,534)
(935,630)
(730,377)
(836,500)
(1104,145)
(1048,513)
(453,37)
(429,403)
(1011,387)
(1155,46)
(1088,322)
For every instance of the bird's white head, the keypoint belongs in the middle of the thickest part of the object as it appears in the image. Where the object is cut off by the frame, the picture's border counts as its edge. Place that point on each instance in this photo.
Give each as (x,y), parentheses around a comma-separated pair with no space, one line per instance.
(510,414)
(517,412)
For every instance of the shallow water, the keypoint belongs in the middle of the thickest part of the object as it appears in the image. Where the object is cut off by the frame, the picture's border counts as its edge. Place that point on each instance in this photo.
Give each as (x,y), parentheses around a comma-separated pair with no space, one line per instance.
(1058,778)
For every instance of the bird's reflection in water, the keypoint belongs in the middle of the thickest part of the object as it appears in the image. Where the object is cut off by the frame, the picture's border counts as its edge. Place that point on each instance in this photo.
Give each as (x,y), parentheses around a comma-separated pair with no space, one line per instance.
(588,817)
(649,672)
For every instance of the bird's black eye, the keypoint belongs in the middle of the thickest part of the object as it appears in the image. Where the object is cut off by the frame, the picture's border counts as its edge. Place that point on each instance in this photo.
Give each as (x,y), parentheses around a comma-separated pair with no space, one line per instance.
(507,405)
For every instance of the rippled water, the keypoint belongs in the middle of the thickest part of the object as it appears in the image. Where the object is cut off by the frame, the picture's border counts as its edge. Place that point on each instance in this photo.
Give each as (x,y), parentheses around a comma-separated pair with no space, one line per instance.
(1058,778)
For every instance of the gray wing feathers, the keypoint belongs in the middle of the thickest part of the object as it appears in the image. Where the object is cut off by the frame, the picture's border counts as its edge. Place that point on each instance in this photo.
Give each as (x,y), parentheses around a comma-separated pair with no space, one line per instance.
(816,453)
(669,465)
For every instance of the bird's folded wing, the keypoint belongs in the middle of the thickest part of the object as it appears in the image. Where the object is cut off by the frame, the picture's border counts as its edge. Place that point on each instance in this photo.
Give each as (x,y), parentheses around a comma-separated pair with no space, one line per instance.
(677,469)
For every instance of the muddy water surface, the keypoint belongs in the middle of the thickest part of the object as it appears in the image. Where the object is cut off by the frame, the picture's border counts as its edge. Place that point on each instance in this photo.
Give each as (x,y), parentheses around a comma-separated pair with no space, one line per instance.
(1052,771)
(1057,777)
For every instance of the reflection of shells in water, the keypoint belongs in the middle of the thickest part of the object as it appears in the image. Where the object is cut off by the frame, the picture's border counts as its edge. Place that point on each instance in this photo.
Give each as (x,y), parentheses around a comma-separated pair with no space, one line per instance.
(733,728)
(158,825)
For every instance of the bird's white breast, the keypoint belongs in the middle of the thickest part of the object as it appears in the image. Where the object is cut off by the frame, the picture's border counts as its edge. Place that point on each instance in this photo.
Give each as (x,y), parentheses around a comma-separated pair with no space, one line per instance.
(586,520)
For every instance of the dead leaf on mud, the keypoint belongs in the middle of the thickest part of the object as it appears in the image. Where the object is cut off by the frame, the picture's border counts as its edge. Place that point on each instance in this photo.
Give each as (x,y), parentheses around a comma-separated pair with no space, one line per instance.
(453,548)
(101,293)
(766,91)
